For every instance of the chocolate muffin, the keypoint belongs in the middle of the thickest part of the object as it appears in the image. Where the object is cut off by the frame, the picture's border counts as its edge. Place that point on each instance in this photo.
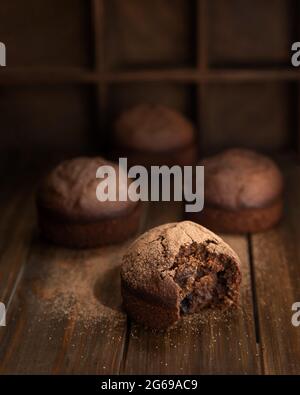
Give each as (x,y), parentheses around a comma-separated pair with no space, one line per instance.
(70,214)
(243,192)
(176,269)
(155,135)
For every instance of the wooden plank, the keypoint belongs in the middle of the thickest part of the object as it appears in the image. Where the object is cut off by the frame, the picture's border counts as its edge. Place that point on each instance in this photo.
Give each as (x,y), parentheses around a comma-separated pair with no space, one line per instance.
(58,33)
(55,75)
(194,75)
(223,343)
(16,224)
(16,230)
(19,76)
(240,33)
(25,113)
(154,33)
(41,341)
(295,34)
(202,64)
(66,315)
(202,41)
(34,277)
(63,320)
(98,20)
(266,103)
(200,118)
(276,260)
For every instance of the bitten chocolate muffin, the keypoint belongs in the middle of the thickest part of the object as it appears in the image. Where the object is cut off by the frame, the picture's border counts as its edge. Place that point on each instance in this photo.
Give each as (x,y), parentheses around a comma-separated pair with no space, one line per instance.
(155,135)
(243,192)
(176,269)
(70,214)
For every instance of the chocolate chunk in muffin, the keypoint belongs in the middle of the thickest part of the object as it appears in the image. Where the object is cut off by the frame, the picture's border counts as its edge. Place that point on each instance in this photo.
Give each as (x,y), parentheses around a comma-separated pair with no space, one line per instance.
(177,269)
(243,192)
(70,214)
(155,135)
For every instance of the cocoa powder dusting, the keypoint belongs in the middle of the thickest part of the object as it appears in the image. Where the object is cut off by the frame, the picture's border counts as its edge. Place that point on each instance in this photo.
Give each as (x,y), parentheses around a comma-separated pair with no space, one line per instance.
(80,285)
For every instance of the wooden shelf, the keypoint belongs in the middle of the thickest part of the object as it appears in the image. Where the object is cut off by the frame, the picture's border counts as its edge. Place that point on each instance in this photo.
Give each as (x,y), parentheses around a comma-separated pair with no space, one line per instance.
(32,76)
(194,75)
(100,74)
(112,59)
(64,75)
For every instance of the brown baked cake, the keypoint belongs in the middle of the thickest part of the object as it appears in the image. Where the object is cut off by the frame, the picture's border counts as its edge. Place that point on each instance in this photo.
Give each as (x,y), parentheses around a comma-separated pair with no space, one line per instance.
(176,269)
(243,192)
(155,135)
(69,213)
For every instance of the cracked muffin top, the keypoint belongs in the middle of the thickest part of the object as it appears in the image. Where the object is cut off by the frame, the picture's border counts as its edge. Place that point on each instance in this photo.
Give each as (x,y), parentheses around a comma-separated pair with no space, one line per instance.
(241,178)
(166,263)
(153,128)
(69,192)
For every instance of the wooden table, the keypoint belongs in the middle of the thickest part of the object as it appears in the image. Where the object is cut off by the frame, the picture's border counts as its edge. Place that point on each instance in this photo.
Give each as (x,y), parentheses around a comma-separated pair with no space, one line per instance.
(257,338)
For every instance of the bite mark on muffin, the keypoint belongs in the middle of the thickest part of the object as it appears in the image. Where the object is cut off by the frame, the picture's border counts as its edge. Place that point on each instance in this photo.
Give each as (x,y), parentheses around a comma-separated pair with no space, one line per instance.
(204,279)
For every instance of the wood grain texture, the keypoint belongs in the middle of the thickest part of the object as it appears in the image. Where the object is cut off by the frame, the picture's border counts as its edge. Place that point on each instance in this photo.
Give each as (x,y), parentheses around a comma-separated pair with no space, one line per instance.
(19,178)
(105,43)
(16,224)
(212,343)
(48,34)
(251,115)
(97,24)
(276,260)
(158,33)
(63,75)
(202,66)
(176,53)
(243,33)
(85,332)
(38,118)
(42,340)
(38,340)
(101,137)
(202,39)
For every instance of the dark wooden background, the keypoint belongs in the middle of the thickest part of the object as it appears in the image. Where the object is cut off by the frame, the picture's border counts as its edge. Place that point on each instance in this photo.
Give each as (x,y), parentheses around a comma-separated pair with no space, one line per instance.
(73,65)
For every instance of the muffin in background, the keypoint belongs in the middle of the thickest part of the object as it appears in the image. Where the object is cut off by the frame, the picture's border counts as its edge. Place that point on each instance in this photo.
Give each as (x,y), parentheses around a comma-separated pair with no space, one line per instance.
(155,135)
(69,213)
(243,192)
